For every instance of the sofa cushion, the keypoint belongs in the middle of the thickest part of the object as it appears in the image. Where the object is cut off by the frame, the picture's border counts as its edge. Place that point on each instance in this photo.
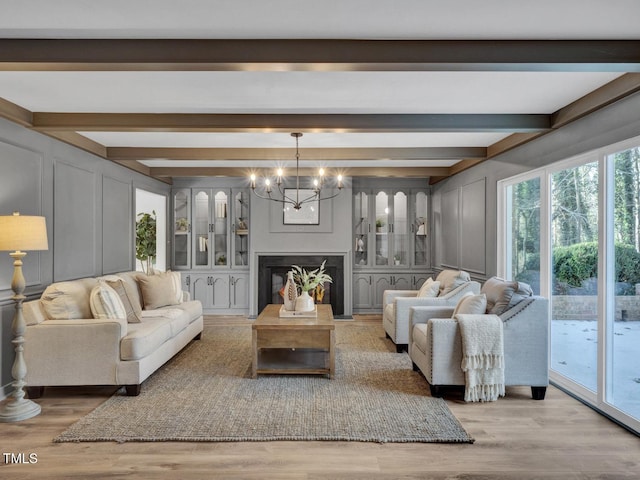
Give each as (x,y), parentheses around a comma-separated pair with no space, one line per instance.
(145,337)
(420,336)
(68,300)
(178,318)
(451,279)
(429,288)
(129,299)
(193,309)
(503,295)
(105,302)
(471,304)
(159,290)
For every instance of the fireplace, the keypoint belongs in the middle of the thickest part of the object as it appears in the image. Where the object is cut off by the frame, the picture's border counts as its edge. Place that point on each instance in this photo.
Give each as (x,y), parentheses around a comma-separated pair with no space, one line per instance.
(272,275)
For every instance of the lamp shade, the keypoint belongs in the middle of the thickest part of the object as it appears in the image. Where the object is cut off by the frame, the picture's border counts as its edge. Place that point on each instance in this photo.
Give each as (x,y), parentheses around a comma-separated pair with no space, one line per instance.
(23,232)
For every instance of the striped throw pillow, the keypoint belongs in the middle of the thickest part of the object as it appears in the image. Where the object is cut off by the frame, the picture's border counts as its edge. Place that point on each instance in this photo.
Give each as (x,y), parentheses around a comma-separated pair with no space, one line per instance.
(105,303)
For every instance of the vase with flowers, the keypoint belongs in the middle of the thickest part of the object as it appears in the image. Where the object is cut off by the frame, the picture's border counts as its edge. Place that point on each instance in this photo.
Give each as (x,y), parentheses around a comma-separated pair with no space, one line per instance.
(308,281)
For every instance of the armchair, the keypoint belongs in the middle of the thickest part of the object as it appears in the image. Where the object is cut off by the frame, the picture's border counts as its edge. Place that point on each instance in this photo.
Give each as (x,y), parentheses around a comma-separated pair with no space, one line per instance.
(435,346)
(396,304)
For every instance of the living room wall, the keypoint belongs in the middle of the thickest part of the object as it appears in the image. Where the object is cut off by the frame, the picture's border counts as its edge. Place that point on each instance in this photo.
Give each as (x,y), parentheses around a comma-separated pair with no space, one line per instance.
(89,207)
(611,124)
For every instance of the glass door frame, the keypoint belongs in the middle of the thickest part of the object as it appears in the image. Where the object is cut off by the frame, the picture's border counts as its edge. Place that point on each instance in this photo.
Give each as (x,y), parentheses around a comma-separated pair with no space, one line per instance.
(606,269)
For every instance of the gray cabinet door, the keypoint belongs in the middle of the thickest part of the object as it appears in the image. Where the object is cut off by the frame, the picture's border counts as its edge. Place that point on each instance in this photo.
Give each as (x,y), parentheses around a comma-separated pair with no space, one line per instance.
(402,281)
(362,291)
(202,289)
(239,290)
(381,282)
(221,291)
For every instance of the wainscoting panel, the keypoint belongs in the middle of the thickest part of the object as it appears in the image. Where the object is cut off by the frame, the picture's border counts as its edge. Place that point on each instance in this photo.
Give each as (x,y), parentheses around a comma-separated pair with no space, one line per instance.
(117,237)
(75,222)
(472,227)
(449,220)
(20,190)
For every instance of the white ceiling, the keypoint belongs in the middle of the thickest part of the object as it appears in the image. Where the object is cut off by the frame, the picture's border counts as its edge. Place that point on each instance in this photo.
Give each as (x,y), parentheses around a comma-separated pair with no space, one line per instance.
(347,19)
(309,92)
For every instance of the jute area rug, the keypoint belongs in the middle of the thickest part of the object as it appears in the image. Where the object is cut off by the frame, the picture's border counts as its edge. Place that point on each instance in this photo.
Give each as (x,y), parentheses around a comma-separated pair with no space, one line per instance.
(206,394)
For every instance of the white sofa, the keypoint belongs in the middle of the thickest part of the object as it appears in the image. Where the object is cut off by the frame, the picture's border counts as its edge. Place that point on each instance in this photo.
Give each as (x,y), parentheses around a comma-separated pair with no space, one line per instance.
(82,350)
(396,304)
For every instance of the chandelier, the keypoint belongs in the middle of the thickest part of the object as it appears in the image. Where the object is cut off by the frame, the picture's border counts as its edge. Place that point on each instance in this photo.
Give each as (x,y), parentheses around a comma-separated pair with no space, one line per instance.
(296,201)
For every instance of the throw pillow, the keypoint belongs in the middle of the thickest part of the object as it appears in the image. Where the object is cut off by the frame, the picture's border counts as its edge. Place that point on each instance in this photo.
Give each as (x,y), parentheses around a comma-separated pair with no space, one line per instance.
(68,300)
(105,302)
(429,288)
(177,281)
(451,279)
(128,298)
(471,304)
(158,290)
(503,295)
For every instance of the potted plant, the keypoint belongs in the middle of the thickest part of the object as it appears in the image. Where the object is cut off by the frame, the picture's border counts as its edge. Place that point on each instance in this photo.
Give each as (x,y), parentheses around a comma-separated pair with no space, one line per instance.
(379,224)
(146,240)
(308,281)
(182,224)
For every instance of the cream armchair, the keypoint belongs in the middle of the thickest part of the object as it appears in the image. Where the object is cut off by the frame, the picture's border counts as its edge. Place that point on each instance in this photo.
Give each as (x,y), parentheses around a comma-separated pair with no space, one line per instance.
(435,346)
(454,284)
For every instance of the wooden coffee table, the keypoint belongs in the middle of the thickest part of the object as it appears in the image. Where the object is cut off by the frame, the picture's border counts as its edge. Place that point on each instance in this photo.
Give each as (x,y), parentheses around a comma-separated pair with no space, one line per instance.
(294,345)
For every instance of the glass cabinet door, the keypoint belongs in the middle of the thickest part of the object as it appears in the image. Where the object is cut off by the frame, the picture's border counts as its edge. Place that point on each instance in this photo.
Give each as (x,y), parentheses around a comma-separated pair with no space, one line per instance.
(361,228)
(221,202)
(400,237)
(419,229)
(241,228)
(181,228)
(382,229)
(201,228)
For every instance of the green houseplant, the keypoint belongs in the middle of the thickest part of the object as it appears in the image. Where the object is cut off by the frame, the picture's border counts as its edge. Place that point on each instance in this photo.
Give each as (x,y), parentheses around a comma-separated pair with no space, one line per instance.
(146,240)
(309,282)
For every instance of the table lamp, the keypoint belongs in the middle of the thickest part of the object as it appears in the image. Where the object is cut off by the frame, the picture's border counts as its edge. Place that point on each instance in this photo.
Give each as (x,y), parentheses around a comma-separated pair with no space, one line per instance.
(18,234)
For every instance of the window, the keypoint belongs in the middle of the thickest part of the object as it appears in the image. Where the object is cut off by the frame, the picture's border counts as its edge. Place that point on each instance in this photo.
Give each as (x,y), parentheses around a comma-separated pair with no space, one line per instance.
(152,203)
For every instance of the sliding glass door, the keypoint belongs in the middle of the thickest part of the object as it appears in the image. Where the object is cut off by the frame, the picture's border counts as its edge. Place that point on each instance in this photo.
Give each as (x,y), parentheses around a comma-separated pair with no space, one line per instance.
(623,359)
(572,231)
(574,273)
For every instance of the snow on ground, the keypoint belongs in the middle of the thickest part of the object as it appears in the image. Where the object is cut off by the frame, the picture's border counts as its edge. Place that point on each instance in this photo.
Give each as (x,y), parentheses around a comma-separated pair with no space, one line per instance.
(574,346)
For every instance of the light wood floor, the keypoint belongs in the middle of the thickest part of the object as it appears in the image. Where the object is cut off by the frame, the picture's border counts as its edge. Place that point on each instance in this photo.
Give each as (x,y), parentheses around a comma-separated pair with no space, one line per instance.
(516,438)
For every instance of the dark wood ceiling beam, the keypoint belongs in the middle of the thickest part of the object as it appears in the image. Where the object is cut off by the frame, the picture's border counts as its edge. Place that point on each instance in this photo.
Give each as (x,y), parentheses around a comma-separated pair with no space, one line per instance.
(320,55)
(270,154)
(401,172)
(15,113)
(178,122)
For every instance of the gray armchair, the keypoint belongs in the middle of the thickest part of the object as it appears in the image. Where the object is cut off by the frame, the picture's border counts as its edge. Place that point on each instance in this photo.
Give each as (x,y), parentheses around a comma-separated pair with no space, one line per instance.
(396,304)
(435,346)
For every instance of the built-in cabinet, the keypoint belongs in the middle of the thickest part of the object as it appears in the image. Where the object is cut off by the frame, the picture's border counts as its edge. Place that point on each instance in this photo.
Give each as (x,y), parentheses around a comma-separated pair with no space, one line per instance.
(391,244)
(211,246)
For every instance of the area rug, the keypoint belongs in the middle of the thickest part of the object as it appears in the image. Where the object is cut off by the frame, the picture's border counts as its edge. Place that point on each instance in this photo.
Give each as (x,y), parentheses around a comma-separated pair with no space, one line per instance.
(206,394)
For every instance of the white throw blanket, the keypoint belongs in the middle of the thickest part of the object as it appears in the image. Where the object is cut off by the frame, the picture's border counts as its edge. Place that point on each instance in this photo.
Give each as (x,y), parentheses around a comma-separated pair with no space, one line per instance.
(482,357)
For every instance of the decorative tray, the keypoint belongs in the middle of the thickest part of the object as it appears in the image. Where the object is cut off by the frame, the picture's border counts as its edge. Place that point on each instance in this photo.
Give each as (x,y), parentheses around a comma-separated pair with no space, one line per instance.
(289,314)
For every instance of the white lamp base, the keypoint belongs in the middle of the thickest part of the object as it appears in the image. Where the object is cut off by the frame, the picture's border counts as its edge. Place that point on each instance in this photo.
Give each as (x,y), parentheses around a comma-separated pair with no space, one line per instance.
(14,411)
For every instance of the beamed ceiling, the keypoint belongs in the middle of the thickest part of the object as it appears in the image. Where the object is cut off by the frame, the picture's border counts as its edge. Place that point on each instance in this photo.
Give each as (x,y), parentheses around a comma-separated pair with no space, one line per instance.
(214,88)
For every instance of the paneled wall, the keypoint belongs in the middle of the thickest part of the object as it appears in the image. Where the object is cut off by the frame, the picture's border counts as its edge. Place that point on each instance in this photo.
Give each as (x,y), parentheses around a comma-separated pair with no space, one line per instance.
(88,203)
(459,216)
